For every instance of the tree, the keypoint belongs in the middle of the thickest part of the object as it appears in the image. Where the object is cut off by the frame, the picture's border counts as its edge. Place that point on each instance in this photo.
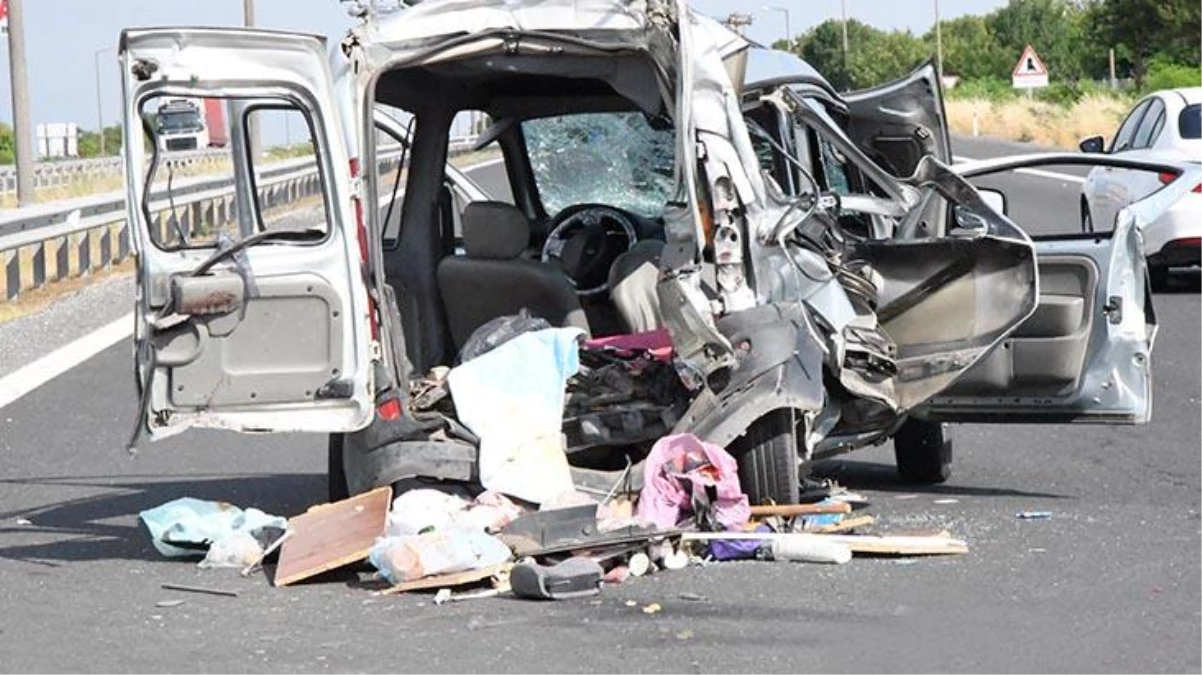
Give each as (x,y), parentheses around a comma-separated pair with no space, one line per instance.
(875,55)
(1055,28)
(7,149)
(970,50)
(1132,28)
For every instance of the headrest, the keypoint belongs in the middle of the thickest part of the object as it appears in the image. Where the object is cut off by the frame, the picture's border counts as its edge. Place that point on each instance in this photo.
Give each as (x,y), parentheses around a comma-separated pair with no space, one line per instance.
(494,231)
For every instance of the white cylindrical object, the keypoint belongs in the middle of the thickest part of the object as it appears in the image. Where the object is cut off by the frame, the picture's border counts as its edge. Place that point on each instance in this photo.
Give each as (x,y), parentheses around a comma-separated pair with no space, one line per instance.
(639,564)
(810,548)
(976,130)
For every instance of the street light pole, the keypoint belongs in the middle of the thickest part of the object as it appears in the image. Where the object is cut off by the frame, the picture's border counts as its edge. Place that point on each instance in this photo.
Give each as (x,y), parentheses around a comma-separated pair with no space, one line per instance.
(22,125)
(843,7)
(248,19)
(788,28)
(99,98)
(938,43)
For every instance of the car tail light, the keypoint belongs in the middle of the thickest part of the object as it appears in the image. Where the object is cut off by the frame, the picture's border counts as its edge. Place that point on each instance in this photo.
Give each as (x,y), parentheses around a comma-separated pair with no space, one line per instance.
(389,410)
(1167,177)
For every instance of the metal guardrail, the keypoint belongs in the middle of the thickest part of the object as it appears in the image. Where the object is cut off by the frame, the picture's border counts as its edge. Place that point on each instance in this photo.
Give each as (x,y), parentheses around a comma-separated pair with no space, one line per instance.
(71,238)
(66,172)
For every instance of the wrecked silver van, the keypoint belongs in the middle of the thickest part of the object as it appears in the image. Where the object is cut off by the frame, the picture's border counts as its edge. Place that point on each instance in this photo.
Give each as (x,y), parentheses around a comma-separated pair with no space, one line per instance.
(818,275)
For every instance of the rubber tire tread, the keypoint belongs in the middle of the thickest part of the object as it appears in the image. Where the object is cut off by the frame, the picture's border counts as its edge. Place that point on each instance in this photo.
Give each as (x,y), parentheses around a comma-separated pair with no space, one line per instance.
(336,472)
(767,459)
(923,451)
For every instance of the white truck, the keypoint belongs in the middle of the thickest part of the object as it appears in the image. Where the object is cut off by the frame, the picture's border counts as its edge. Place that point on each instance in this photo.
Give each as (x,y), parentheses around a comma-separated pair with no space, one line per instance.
(181,126)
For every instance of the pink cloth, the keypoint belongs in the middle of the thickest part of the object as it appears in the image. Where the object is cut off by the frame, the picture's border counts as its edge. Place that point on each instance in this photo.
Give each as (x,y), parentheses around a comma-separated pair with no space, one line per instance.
(680,468)
(658,342)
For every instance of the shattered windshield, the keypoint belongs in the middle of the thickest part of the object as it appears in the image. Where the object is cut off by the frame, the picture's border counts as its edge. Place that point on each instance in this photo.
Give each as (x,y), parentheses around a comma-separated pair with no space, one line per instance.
(617,159)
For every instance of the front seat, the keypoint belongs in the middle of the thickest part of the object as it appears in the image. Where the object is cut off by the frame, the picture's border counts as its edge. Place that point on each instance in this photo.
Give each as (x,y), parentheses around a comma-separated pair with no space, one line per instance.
(632,281)
(493,279)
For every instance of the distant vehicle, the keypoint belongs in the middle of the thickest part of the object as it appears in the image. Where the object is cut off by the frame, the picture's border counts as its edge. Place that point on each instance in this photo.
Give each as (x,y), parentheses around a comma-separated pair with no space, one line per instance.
(1165,125)
(184,125)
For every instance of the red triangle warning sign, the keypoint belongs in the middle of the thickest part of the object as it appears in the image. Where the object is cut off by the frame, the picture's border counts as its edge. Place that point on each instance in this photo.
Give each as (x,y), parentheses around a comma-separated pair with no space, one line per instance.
(1030,65)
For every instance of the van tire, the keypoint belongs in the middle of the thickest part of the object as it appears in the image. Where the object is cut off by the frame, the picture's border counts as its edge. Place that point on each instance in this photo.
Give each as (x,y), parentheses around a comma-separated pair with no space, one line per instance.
(336,472)
(1158,275)
(923,451)
(767,459)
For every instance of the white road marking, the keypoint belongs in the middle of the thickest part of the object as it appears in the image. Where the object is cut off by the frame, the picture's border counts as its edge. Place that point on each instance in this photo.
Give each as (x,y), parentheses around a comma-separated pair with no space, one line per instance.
(36,373)
(1035,172)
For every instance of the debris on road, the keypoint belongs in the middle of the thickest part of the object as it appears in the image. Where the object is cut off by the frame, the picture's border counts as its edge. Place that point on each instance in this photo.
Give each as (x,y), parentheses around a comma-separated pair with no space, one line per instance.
(573,578)
(188,527)
(199,589)
(168,603)
(24,521)
(329,536)
(1033,515)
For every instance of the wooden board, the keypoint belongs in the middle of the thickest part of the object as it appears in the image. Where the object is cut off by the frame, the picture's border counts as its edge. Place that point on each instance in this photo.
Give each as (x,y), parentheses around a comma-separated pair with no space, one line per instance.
(899,545)
(799,509)
(447,580)
(329,536)
(844,525)
(858,543)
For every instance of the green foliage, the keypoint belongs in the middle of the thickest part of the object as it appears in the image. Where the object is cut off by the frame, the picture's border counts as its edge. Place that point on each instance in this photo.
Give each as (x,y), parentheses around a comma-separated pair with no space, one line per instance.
(970,50)
(1140,30)
(875,55)
(7,151)
(988,88)
(1164,74)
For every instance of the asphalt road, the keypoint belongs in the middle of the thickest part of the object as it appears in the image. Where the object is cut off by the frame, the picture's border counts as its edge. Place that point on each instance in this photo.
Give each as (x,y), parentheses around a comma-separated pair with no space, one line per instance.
(1109,583)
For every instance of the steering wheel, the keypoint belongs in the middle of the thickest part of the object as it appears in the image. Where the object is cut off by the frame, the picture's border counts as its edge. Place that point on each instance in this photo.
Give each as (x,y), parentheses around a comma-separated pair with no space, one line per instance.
(585,240)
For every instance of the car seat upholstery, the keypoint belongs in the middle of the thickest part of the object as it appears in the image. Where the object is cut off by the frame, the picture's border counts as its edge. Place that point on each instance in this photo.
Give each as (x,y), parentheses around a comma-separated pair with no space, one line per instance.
(632,281)
(493,279)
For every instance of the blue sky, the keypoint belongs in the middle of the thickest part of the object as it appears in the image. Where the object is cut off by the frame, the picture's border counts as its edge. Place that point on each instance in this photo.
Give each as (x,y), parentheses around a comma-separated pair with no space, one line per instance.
(62,36)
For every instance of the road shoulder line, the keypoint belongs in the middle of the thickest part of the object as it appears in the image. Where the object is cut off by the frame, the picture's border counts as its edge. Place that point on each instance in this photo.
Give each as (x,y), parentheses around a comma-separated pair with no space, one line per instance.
(40,371)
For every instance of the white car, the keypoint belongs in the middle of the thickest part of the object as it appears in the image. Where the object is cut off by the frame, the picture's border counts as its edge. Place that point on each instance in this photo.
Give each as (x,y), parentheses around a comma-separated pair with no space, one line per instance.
(1165,125)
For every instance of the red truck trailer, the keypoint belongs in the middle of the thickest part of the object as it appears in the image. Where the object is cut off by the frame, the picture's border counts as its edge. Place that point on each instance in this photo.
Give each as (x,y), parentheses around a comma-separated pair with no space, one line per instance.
(215,122)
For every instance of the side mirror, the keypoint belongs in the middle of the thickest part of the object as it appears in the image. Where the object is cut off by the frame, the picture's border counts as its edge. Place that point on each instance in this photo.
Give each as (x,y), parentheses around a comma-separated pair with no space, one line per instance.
(995,199)
(1093,144)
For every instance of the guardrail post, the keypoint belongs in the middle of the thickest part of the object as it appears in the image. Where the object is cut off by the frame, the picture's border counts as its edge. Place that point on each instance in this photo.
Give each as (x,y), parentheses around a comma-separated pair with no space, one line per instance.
(39,265)
(123,234)
(62,259)
(85,253)
(12,275)
(106,247)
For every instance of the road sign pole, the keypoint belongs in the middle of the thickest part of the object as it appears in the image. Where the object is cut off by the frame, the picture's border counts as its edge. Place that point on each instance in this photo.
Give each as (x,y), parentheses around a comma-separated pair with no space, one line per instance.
(22,125)
(99,98)
(256,142)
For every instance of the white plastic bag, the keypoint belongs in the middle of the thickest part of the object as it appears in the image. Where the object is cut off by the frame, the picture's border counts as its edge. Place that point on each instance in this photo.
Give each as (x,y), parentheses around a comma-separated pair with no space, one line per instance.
(410,557)
(512,398)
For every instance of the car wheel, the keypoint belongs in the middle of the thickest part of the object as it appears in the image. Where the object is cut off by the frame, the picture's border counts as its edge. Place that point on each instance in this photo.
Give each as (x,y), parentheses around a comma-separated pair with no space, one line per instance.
(1086,217)
(924,451)
(336,472)
(767,458)
(1159,276)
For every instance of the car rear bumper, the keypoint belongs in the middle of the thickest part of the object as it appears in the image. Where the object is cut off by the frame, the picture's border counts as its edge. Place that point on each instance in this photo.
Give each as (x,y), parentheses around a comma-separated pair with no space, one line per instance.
(1175,239)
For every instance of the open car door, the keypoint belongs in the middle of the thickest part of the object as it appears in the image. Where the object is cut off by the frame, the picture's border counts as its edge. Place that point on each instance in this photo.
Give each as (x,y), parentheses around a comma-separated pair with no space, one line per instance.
(1084,354)
(245,320)
(899,122)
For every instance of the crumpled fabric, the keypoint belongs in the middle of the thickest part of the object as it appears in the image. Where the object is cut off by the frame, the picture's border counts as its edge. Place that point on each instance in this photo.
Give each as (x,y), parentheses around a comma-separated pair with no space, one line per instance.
(187,527)
(685,477)
(512,398)
(738,549)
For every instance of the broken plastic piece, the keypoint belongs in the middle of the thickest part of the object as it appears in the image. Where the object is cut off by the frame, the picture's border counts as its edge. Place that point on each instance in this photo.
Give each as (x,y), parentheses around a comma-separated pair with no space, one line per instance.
(572,578)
